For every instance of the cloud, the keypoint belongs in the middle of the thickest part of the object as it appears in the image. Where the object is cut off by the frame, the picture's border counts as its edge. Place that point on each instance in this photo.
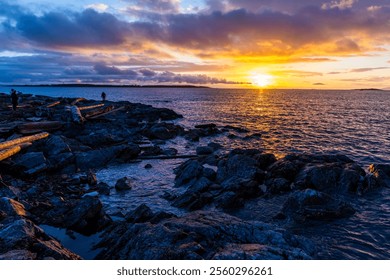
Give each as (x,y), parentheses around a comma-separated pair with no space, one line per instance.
(342,4)
(100,7)
(154,6)
(360,70)
(88,28)
(318,84)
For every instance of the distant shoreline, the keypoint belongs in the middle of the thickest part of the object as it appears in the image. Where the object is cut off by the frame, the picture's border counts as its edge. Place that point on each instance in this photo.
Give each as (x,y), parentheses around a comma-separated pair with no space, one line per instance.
(110,86)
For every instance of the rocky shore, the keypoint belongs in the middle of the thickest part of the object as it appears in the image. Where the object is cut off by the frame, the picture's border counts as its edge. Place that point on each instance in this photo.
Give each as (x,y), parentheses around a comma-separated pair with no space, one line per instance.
(50,149)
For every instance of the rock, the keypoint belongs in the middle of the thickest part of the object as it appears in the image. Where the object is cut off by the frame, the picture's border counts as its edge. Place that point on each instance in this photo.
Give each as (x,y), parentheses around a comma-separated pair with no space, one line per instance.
(98,158)
(87,216)
(91,178)
(163,131)
(12,208)
(148,166)
(18,255)
(330,177)
(193,200)
(21,239)
(151,151)
(209,173)
(204,150)
(206,126)
(30,163)
(55,145)
(123,184)
(139,215)
(236,168)
(306,205)
(214,146)
(103,188)
(129,152)
(381,173)
(169,152)
(187,172)
(278,185)
(201,235)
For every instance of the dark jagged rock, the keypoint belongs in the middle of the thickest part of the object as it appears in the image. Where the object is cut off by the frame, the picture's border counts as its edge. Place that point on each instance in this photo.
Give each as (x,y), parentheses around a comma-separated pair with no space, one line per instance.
(139,215)
(30,164)
(163,131)
(204,150)
(330,177)
(98,158)
(201,235)
(278,185)
(22,239)
(87,216)
(152,151)
(187,172)
(123,184)
(23,236)
(238,167)
(308,205)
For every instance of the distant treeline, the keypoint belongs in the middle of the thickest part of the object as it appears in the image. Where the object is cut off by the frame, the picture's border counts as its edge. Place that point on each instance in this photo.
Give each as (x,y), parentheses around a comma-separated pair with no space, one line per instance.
(113,86)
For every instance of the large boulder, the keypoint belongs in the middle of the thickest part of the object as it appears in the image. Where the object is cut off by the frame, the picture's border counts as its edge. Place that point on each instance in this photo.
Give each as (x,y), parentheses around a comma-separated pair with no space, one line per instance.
(30,164)
(188,172)
(98,158)
(201,235)
(87,216)
(124,184)
(330,177)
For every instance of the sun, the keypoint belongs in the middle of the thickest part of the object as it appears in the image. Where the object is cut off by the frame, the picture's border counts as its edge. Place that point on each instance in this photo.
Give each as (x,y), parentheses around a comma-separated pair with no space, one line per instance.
(262,80)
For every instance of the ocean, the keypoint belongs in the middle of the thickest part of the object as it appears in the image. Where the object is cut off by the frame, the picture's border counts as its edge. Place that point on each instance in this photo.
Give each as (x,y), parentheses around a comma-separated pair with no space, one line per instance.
(355,123)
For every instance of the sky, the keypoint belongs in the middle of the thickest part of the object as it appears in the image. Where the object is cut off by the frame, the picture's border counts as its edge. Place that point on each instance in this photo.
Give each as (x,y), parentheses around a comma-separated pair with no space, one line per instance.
(322,44)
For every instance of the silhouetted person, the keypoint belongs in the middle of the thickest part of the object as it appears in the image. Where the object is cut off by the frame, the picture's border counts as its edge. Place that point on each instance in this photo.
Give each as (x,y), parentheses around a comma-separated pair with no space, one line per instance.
(104,96)
(14,98)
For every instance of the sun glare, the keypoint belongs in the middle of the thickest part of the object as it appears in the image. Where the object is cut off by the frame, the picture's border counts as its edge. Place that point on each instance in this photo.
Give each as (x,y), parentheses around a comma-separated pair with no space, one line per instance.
(262,80)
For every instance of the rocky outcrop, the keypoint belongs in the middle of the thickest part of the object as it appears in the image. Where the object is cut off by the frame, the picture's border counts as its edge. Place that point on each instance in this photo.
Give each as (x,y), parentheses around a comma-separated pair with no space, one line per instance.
(202,235)
(21,239)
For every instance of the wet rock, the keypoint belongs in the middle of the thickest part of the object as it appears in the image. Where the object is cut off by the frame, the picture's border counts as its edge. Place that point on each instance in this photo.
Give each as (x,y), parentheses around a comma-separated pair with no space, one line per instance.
(236,168)
(204,150)
(129,152)
(187,172)
(124,184)
(148,166)
(308,205)
(192,200)
(201,235)
(8,191)
(163,131)
(206,126)
(330,177)
(209,173)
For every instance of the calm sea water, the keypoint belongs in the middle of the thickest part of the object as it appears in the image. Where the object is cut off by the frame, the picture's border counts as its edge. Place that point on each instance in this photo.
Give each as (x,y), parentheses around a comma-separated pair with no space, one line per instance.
(354,123)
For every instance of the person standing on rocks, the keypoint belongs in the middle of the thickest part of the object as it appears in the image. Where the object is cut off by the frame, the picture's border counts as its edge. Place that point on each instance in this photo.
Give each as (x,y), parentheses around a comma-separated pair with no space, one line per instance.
(14,98)
(103,96)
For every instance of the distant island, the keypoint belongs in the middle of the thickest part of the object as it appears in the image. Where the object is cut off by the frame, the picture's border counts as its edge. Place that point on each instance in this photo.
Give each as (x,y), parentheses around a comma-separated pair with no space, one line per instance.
(109,85)
(377,89)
